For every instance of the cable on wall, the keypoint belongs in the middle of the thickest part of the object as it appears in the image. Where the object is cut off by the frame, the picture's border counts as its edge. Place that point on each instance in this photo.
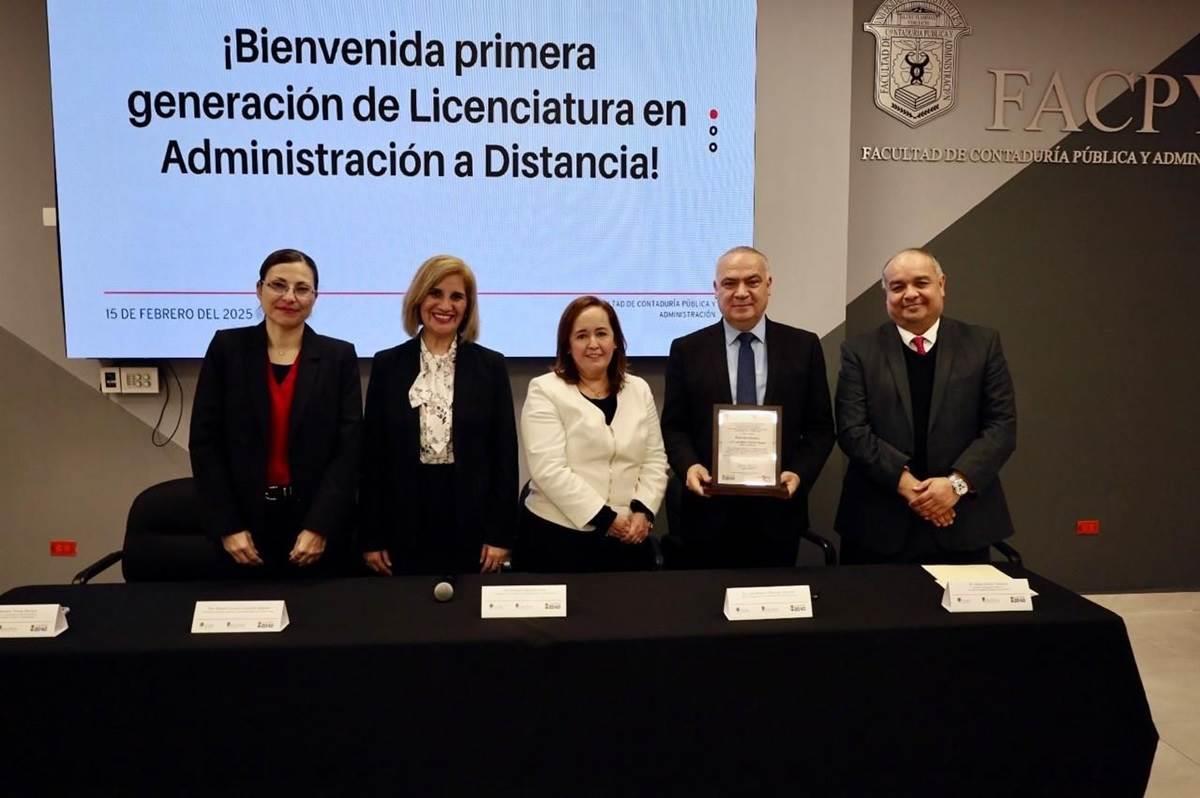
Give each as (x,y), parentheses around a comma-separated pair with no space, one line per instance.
(154,433)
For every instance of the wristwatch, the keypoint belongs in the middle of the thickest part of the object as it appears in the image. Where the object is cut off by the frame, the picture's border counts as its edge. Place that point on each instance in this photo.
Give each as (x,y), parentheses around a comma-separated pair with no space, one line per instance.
(959,484)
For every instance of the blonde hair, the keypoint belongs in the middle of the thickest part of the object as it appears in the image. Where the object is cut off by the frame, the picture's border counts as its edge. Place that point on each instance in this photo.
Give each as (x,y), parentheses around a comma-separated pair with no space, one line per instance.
(432,272)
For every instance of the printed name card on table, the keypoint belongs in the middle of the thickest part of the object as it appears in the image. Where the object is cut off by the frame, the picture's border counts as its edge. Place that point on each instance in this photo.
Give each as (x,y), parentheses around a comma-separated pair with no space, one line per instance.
(219,617)
(768,603)
(1006,595)
(523,601)
(964,573)
(33,620)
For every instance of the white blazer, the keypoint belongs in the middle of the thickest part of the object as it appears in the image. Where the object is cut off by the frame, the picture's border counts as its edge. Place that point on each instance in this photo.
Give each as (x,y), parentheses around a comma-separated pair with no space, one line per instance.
(578,464)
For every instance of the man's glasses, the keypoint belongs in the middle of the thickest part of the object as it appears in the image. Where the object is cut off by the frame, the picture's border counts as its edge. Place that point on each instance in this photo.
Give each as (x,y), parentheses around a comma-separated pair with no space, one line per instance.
(302,291)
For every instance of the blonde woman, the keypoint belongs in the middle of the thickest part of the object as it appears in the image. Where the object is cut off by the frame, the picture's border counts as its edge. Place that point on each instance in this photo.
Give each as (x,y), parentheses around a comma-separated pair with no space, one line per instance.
(439,477)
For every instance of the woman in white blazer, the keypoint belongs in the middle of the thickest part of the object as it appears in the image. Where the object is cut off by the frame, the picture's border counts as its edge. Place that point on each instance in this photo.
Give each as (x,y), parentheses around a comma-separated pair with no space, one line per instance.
(598,469)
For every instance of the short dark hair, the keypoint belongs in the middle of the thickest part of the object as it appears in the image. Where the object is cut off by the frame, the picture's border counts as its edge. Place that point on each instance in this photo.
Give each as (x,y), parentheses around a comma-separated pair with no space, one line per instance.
(937,267)
(564,364)
(289,256)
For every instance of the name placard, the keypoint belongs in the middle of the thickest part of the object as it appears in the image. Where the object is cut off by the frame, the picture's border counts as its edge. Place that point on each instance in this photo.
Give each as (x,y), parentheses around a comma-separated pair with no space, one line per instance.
(768,603)
(221,617)
(33,620)
(965,573)
(1007,595)
(523,601)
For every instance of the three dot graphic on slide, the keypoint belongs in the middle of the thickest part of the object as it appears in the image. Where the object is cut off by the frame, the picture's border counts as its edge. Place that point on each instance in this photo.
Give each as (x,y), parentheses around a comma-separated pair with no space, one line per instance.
(712,129)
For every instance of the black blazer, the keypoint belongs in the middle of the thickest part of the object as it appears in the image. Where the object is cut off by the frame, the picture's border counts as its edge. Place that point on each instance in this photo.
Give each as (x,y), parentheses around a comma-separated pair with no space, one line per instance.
(484,436)
(698,378)
(972,430)
(230,420)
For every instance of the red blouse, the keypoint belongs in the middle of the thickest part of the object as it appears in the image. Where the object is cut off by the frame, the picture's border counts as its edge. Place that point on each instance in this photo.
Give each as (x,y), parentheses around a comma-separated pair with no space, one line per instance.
(281,394)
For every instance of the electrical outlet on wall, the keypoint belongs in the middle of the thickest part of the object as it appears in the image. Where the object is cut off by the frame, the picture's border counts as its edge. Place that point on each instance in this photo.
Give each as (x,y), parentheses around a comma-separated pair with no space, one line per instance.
(110,379)
(139,379)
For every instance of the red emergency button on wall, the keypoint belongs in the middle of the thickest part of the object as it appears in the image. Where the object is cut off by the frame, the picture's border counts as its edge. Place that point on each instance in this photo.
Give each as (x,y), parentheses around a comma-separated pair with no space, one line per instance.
(62,548)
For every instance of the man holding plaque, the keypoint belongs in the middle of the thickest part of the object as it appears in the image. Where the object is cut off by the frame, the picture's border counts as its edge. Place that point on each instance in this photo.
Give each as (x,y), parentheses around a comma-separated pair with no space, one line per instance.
(927,417)
(747,424)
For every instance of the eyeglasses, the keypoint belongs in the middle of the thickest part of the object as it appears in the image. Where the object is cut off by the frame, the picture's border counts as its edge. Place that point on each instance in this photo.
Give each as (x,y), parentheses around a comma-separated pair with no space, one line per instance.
(302,291)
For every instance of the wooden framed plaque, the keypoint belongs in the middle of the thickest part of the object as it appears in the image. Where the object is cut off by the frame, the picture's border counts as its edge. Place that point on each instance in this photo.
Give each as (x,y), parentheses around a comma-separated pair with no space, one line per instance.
(746,443)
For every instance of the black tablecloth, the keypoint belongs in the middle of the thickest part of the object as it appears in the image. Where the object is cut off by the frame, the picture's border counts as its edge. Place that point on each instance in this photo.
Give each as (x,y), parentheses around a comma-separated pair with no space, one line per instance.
(645,689)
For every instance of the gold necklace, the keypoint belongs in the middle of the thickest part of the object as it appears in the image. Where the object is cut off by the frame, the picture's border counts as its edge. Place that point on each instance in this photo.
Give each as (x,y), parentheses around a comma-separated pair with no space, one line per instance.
(591,392)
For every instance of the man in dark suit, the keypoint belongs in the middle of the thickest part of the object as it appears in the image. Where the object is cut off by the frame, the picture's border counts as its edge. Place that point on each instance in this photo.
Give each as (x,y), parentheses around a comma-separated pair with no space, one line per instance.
(753,360)
(926,415)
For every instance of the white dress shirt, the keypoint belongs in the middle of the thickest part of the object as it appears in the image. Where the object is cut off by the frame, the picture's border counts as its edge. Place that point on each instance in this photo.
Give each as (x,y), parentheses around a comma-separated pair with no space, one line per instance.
(929,335)
(757,346)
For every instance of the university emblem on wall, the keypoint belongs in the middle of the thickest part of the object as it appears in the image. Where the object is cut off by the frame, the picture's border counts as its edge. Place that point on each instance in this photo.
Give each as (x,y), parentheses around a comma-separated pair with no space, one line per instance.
(916,58)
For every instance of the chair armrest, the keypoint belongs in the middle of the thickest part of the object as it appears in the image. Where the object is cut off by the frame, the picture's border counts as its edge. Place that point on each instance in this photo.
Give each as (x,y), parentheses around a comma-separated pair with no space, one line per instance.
(1011,554)
(672,552)
(826,546)
(87,574)
(656,547)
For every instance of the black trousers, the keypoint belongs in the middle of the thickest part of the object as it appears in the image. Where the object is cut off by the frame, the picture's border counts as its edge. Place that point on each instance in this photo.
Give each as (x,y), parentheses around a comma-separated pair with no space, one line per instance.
(920,548)
(738,532)
(546,547)
(431,542)
(283,521)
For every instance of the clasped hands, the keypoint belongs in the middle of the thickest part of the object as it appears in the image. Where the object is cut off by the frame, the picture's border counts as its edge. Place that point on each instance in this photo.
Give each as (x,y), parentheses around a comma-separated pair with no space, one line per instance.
(632,528)
(491,560)
(933,499)
(308,548)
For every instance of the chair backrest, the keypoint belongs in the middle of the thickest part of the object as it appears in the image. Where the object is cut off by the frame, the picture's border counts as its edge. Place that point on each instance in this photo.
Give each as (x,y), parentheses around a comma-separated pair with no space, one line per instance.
(672,552)
(673,503)
(165,539)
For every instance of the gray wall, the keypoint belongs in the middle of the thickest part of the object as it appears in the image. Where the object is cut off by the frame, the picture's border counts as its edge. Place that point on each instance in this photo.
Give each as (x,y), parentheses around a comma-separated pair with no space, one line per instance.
(1088,271)
(1088,274)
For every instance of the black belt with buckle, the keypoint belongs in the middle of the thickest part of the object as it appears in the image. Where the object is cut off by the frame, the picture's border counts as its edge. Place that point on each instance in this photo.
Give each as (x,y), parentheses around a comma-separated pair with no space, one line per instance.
(278,493)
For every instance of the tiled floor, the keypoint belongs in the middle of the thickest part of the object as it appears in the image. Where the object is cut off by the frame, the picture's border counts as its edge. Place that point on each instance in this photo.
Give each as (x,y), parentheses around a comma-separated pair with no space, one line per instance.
(1165,631)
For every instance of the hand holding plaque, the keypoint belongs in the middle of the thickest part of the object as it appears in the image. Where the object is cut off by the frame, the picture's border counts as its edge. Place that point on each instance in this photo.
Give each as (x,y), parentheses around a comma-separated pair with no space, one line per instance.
(746,444)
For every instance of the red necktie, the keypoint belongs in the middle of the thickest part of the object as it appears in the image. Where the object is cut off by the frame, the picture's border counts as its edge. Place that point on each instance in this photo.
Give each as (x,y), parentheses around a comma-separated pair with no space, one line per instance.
(919,342)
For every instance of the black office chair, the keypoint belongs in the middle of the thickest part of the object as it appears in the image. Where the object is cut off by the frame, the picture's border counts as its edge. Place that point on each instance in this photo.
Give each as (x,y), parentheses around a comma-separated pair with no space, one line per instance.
(674,551)
(656,552)
(1009,553)
(164,539)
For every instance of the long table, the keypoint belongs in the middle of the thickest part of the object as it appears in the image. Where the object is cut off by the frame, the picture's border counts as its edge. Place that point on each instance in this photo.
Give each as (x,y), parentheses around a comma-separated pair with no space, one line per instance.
(645,689)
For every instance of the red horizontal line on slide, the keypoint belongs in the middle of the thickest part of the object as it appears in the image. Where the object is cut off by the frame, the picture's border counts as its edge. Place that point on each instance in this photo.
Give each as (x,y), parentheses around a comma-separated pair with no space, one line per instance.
(401,293)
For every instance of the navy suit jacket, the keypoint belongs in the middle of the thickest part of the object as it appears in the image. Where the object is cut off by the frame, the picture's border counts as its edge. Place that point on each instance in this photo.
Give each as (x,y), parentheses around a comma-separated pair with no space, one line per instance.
(972,430)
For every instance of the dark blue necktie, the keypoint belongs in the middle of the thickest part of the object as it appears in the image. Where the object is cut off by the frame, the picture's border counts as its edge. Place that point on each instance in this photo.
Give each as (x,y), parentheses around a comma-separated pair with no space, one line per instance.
(747,388)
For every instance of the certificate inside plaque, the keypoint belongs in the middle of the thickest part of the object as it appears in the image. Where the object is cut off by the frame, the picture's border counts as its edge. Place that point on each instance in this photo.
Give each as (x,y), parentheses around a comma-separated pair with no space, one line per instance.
(746,444)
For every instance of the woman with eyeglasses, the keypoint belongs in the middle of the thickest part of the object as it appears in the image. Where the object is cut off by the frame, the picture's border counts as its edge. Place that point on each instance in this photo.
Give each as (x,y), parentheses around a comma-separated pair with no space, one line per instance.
(275,432)
(439,478)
